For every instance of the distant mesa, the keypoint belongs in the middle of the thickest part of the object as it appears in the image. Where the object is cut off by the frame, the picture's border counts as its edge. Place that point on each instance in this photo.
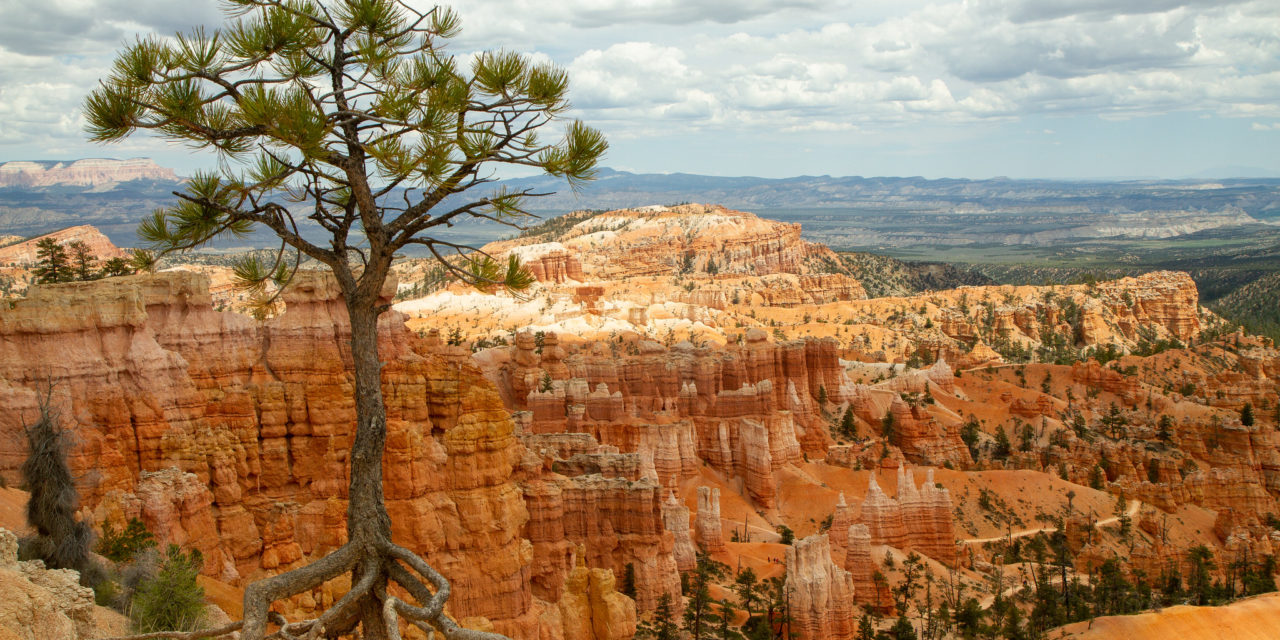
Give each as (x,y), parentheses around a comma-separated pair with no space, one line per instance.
(25,253)
(90,172)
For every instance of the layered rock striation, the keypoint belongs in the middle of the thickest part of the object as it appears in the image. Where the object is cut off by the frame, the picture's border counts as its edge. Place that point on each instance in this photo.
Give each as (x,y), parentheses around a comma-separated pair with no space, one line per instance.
(821,593)
(746,410)
(709,526)
(918,518)
(232,436)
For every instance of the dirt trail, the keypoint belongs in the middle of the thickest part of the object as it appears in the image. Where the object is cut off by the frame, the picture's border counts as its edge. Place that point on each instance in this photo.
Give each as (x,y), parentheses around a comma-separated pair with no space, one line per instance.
(1134,506)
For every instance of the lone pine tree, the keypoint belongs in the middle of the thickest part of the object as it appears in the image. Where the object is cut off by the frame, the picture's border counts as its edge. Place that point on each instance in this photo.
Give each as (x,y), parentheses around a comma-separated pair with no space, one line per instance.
(351,117)
(52,264)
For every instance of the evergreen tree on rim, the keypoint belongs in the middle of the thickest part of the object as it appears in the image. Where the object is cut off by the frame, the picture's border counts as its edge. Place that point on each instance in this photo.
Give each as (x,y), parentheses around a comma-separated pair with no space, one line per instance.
(352,117)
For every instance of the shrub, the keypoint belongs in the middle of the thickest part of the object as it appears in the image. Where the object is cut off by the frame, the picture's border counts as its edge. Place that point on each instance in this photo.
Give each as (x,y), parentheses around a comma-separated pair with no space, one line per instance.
(172,600)
(788,536)
(123,545)
(60,540)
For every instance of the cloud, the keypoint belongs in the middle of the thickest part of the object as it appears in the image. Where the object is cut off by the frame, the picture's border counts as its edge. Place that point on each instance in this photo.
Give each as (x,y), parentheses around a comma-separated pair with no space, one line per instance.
(62,27)
(747,67)
(1023,11)
(593,14)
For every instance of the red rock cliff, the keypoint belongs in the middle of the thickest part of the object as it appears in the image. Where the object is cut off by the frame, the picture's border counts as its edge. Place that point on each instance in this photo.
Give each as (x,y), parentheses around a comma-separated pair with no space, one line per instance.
(232,436)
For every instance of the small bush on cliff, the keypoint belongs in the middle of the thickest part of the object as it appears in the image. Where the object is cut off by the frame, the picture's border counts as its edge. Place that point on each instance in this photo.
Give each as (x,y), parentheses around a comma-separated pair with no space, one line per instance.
(172,600)
(116,267)
(123,545)
(787,535)
(60,540)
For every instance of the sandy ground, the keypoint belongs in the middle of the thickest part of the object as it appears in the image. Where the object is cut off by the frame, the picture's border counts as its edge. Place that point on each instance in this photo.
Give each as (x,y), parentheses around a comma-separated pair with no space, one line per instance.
(1252,619)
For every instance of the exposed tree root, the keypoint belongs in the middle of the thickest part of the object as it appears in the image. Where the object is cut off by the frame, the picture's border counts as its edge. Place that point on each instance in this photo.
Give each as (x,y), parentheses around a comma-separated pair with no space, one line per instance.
(374,565)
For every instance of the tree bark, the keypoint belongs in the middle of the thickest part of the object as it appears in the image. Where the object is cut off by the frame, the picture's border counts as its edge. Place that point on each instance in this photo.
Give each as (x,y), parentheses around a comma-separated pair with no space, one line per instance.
(368,525)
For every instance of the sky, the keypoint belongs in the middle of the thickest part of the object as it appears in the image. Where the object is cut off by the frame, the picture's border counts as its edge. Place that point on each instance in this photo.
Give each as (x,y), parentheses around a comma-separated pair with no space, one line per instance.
(775,88)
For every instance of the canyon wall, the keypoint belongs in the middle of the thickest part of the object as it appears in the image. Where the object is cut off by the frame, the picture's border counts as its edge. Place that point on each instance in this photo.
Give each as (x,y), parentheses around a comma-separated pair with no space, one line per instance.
(747,410)
(232,437)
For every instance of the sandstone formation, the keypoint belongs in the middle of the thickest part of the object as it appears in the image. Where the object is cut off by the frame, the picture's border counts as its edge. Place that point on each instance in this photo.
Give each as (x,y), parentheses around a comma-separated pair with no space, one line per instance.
(821,592)
(862,568)
(661,350)
(605,504)
(675,517)
(923,440)
(24,254)
(41,603)
(657,240)
(591,607)
(708,524)
(919,518)
(747,410)
(232,436)
(552,264)
(841,520)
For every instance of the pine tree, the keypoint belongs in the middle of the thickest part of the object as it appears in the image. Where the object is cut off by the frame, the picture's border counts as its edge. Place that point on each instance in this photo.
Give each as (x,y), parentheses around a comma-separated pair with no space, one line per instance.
(902,630)
(747,587)
(700,617)
(1096,478)
(1200,559)
(778,611)
(785,534)
(52,264)
(173,600)
(969,435)
(847,426)
(865,630)
(724,620)
(1003,447)
(1246,414)
(355,112)
(662,626)
(84,265)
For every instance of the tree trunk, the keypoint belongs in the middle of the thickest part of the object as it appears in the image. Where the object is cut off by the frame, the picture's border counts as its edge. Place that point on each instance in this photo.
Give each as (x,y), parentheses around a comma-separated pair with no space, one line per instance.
(368,525)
